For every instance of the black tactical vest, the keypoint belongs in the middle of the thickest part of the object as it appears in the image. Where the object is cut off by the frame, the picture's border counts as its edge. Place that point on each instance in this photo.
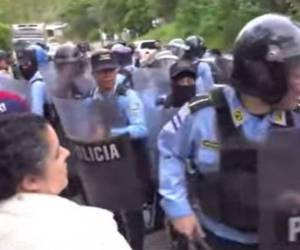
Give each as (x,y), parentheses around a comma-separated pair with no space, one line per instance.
(230,195)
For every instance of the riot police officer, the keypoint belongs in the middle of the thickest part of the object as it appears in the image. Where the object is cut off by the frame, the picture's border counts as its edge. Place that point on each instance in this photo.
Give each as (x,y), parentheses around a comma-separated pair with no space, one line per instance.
(195,52)
(29,68)
(105,71)
(183,88)
(218,134)
(178,47)
(70,65)
(124,56)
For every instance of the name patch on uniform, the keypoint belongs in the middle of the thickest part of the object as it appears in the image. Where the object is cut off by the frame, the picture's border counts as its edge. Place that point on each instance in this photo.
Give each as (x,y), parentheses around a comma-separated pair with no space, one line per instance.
(211,144)
(98,153)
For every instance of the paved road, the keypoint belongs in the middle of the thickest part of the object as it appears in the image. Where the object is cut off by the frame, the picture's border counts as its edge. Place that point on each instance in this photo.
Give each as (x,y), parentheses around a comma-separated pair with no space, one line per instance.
(156,241)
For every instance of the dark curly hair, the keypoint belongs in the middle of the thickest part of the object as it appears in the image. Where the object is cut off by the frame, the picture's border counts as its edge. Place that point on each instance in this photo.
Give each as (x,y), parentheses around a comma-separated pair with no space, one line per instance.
(23,149)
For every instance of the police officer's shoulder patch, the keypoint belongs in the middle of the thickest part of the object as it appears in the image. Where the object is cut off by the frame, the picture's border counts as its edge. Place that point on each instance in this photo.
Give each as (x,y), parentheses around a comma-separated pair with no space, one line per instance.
(198,102)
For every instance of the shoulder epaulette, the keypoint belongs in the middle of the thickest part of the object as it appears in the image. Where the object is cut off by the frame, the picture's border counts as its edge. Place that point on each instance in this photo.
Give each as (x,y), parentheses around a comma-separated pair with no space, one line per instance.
(37,80)
(199,102)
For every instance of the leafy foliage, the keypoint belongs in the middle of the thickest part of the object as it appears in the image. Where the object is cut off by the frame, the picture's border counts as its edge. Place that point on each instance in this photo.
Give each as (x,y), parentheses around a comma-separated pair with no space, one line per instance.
(217,20)
(4,37)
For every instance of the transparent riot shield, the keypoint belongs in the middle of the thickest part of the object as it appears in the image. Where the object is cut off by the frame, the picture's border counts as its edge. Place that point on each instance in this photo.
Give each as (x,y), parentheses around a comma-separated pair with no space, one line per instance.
(48,72)
(279,188)
(150,83)
(65,81)
(221,68)
(19,87)
(106,164)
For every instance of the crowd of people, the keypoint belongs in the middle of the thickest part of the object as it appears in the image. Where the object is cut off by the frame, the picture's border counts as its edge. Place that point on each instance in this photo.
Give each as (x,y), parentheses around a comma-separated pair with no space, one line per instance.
(205,175)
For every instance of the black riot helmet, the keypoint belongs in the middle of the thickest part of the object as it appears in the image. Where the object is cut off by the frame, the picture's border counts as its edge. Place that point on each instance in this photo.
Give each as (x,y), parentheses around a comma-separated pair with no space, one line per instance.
(263,52)
(27,61)
(70,54)
(196,45)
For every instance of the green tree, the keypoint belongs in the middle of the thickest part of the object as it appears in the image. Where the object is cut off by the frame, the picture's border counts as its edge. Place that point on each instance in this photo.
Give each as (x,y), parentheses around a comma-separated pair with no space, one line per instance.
(133,18)
(4,37)
(79,16)
(163,8)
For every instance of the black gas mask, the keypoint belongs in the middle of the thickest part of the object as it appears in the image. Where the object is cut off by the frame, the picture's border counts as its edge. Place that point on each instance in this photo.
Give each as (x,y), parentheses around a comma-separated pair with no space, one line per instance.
(28,64)
(183,89)
(28,70)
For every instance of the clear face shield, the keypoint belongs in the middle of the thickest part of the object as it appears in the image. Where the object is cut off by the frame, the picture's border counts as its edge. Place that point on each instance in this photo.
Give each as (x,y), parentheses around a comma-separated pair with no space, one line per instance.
(67,72)
(176,50)
(292,76)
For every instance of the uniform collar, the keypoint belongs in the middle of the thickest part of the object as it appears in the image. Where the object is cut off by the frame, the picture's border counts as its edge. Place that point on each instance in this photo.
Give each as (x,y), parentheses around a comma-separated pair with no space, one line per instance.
(279,118)
(36,76)
(240,115)
(111,93)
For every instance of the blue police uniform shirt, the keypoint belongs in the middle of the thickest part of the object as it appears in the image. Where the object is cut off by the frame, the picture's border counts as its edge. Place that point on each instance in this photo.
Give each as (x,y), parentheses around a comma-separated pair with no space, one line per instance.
(182,138)
(41,54)
(132,110)
(38,94)
(204,81)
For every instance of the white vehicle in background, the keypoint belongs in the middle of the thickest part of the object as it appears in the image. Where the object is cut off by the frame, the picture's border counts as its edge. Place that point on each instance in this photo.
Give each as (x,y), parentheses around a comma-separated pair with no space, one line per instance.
(145,48)
(49,35)
(55,32)
(30,33)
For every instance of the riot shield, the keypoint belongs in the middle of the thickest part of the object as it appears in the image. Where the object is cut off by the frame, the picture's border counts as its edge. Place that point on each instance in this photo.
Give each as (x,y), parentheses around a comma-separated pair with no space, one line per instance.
(106,164)
(67,82)
(221,68)
(279,189)
(48,71)
(19,87)
(150,83)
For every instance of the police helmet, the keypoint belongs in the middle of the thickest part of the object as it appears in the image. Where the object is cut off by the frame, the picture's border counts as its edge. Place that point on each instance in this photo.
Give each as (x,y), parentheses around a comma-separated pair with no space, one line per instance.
(263,51)
(196,45)
(69,57)
(177,46)
(178,42)
(27,56)
(68,53)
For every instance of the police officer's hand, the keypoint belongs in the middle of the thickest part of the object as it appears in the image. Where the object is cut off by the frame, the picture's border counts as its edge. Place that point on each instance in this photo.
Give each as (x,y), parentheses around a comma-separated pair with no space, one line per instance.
(188,226)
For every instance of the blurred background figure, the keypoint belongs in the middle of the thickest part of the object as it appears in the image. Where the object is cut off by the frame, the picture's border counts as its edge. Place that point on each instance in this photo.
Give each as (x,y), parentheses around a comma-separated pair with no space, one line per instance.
(28,61)
(5,63)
